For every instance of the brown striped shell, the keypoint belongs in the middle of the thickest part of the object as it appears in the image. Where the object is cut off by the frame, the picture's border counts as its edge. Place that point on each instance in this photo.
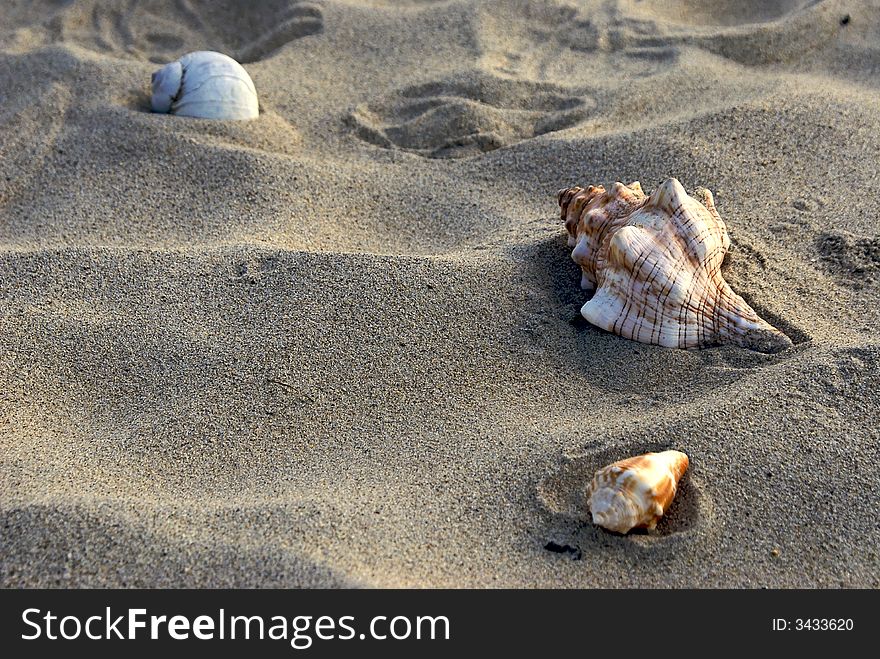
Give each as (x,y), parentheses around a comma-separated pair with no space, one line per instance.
(655,262)
(636,492)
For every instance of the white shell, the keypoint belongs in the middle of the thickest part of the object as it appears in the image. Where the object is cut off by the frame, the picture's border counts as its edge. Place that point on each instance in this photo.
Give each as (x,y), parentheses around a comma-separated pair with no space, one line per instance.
(207,85)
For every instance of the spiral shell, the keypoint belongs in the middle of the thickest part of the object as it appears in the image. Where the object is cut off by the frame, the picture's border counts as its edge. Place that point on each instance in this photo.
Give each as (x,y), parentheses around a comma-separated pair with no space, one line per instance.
(655,262)
(207,85)
(636,492)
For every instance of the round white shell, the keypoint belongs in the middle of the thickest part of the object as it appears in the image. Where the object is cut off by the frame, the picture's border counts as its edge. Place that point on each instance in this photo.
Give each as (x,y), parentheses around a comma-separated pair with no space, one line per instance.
(207,85)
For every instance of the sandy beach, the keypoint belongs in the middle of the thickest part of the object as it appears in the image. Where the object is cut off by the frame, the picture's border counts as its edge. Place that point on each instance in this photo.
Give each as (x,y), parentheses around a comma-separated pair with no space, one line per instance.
(340,344)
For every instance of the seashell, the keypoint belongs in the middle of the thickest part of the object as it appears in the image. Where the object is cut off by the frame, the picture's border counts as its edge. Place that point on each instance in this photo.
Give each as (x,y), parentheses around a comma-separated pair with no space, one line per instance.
(635,492)
(205,84)
(655,262)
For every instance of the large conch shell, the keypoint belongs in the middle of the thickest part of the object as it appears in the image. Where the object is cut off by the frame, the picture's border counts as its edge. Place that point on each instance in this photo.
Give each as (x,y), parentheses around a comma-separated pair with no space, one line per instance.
(656,265)
(635,492)
(205,84)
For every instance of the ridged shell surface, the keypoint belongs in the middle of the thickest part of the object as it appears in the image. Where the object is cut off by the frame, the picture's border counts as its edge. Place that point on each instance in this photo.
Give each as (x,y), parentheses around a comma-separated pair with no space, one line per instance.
(637,491)
(207,85)
(655,263)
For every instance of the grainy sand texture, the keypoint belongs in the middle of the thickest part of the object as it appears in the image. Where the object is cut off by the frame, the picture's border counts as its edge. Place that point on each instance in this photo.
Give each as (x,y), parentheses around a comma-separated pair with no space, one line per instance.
(340,345)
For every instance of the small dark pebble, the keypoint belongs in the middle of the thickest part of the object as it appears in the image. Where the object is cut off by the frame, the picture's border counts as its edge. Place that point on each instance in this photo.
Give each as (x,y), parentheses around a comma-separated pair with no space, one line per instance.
(564,549)
(845,20)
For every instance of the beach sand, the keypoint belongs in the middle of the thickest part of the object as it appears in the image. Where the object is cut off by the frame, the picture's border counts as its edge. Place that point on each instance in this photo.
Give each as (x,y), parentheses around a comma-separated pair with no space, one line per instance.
(340,345)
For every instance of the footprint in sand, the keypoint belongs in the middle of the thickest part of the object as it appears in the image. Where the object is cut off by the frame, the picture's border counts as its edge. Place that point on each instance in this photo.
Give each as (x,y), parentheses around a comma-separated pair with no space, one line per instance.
(646,37)
(747,31)
(853,260)
(726,13)
(849,375)
(468,115)
(163,30)
(550,39)
(300,20)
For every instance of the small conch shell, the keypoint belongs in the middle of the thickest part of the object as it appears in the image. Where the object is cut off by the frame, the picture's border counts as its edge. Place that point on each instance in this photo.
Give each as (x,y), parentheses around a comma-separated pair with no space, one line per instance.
(205,84)
(655,262)
(635,492)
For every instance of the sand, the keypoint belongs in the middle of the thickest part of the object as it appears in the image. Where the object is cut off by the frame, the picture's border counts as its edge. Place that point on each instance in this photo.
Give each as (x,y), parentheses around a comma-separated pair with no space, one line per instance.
(340,345)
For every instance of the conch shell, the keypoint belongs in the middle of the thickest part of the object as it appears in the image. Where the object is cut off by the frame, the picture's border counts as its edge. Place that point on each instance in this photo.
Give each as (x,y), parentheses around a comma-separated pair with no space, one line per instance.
(205,84)
(635,492)
(655,262)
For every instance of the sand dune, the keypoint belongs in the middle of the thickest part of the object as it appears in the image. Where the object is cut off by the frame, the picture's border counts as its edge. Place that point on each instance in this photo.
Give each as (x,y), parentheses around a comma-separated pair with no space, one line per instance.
(340,345)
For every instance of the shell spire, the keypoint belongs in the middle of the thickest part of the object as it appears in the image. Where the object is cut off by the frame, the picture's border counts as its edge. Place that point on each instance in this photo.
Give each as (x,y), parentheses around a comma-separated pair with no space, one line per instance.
(655,263)
(637,491)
